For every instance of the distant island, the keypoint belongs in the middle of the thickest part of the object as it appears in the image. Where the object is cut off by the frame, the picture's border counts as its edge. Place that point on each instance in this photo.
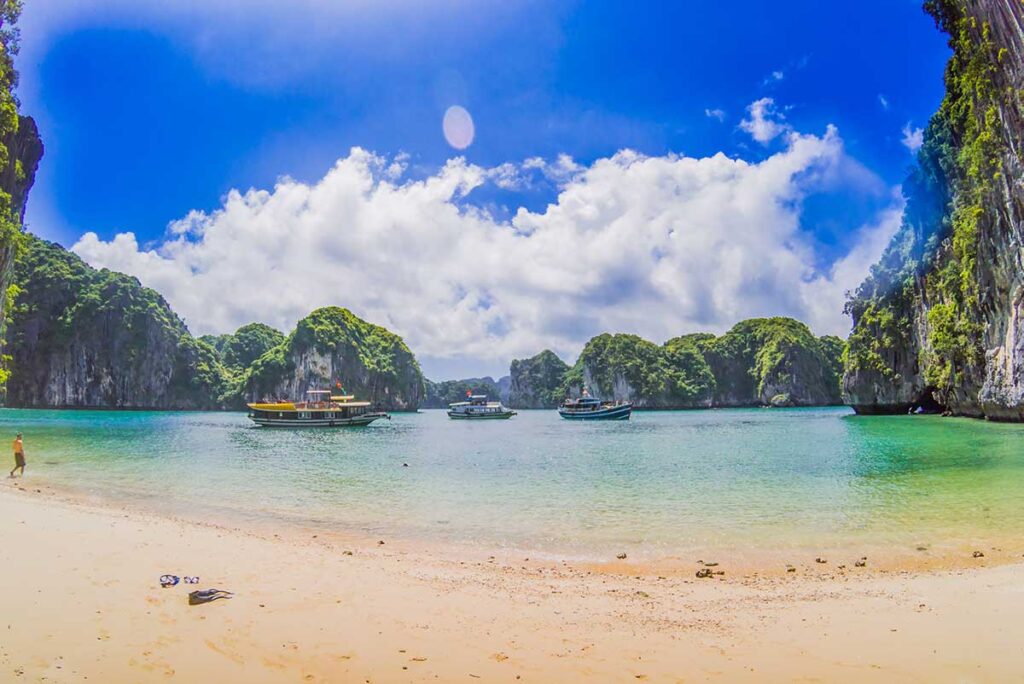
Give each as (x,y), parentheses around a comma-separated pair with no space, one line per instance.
(759,362)
(82,337)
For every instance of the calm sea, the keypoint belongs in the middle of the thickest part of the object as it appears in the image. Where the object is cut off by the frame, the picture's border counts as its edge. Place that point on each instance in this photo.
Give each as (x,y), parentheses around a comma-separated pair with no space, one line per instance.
(660,484)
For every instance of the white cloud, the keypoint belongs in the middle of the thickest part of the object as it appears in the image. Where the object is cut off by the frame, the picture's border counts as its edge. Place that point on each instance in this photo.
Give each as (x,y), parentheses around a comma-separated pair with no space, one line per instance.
(823,291)
(884,101)
(913,138)
(715,114)
(561,171)
(658,246)
(765,122)
(774,77)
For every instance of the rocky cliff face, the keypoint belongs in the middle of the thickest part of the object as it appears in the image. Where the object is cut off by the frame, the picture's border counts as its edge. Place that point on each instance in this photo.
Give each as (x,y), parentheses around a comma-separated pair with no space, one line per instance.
(23,149)
(629,368)
(773,362)
(20,152)
(537,382)
(760,362)
(332,346)
(939,323)
(80,337)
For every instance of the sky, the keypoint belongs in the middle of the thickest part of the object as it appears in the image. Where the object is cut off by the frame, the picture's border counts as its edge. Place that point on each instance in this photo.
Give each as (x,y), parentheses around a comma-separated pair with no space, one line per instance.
(486,179)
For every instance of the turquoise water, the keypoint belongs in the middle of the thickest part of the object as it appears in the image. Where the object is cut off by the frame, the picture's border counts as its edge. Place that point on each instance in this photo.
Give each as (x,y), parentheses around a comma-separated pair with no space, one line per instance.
(661,484)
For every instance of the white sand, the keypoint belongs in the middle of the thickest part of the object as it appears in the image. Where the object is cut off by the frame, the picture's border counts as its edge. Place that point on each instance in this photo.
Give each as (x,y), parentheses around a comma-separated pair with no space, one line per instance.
(81,602)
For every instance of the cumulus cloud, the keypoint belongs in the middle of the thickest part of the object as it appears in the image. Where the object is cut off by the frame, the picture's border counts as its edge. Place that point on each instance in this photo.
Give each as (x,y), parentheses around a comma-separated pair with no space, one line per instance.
(913,138)
(657,246)
(765,122)
(715,114)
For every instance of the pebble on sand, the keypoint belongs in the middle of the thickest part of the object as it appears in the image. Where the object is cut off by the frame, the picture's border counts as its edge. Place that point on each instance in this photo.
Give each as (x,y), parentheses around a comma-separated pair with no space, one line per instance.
(621,556)
(978,554)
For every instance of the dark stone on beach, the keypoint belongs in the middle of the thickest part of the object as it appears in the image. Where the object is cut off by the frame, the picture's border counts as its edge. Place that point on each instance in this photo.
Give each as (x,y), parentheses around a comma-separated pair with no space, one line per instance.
(790,568)
(380,543)
(704,572)
(621,556)
(405,465)
(820,560)
(979,554)
(710,564)
(860,564)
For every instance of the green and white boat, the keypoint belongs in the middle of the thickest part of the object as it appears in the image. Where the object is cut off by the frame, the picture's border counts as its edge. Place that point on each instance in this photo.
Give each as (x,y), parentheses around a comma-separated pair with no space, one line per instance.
(478,408)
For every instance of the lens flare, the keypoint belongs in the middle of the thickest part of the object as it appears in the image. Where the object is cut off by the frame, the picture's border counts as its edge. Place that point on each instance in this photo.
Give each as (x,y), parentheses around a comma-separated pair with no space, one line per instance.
(458,127)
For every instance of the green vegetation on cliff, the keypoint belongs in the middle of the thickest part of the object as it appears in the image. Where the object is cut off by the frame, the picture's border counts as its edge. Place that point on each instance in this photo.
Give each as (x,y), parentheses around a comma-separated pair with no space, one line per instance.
(20,151)
(87,337)
(538,382)
(238,350)
(774,360)
(926,286)
(674,375)
(759,361)
(333,346)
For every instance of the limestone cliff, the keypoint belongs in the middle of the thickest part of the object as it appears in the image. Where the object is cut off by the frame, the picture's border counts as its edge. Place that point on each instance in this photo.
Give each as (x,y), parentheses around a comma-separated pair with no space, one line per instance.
(81,337)
(332,346)
(773,362)
(759,362)
(20,152)
(939,323)
(537,382)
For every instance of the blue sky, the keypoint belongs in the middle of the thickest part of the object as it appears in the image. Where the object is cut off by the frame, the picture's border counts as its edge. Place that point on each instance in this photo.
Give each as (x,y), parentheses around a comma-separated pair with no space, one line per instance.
(150,112)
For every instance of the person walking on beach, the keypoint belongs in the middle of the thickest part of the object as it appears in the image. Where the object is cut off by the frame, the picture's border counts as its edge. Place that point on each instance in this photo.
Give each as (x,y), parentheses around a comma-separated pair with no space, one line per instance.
(19,456)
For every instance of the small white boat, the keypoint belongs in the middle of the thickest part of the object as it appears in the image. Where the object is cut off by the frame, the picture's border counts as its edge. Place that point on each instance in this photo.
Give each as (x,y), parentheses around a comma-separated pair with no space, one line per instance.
(479,408)
(319,410)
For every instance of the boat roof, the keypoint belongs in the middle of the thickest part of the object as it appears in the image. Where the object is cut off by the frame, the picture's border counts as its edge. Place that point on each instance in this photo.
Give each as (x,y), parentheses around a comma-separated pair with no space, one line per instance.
(318,391)
(290,406)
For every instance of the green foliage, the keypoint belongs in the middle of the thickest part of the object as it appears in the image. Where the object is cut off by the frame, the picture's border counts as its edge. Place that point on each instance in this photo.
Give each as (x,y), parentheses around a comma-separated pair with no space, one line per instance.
(934,256)
(539,380)
(834,349)
(11,169)
(758,361)
(759,354)
(369,360)
(673,374)
(334,329)
(239,350)
(63,305)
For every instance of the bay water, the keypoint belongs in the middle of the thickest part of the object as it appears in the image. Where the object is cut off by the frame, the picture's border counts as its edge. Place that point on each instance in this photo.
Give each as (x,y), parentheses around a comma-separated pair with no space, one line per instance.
(661,484)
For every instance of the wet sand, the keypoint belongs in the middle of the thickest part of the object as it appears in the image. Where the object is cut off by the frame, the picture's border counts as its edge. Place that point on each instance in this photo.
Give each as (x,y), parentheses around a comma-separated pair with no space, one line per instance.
(82,602)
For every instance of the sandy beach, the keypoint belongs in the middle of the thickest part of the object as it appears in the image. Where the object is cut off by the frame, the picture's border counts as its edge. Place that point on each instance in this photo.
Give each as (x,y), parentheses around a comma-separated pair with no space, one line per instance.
(82,602)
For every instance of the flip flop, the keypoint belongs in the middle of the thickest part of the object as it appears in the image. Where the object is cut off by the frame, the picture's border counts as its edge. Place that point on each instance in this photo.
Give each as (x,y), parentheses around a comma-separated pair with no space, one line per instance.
(191,580)
(168,580)
(207,595)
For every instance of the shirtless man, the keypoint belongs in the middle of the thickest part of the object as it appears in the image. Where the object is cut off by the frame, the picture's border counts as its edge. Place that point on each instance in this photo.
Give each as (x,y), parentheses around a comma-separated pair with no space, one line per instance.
(19,456)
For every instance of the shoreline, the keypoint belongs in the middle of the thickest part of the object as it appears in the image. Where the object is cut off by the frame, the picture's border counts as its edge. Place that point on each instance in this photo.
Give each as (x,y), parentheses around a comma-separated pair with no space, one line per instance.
(83,601)
(738,560)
